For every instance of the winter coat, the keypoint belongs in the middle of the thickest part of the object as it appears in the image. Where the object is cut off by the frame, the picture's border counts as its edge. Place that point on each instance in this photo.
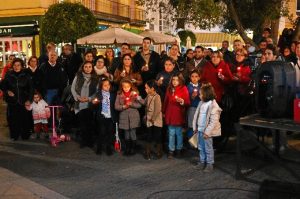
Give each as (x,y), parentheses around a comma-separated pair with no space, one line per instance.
(243,72)
(20,84)
(98,107)
(175,112)
(40,112)
(77,86)
(37,79)
(213,125)
(190,66)
(128,118)
(154,65)
(131,75)
(54,77)
(153,110)
(210,74)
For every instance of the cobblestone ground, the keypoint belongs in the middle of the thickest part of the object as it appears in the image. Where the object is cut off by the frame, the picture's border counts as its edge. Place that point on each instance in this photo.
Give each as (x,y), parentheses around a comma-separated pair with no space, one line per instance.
(80,173)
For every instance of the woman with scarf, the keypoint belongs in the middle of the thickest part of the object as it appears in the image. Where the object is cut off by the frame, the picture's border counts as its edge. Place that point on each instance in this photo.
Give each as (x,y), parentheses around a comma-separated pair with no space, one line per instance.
(83,88)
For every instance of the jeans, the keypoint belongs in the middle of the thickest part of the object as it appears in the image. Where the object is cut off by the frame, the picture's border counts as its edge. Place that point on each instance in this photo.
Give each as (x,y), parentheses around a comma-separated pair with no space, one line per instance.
(51,96)
(206,150)
(175,131)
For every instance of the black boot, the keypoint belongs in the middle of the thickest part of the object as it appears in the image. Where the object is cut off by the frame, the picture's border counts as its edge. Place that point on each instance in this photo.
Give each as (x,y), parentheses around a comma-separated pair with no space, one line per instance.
(147,152)
(108,150)
(133,147)
(127,147)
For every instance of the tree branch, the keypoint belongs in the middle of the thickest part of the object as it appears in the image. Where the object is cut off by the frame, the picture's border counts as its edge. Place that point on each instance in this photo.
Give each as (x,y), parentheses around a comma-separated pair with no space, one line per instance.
(239,26)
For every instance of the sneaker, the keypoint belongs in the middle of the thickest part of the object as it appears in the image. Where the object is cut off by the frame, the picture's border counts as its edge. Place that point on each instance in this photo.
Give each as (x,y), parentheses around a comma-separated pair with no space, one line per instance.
(209,168)
(199,165)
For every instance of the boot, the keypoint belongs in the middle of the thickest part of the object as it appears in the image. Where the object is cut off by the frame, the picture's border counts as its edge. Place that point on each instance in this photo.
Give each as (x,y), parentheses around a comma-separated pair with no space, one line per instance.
(127,147)
(147,154)
(99,149)
(133,147)
(159,152)
(108,151)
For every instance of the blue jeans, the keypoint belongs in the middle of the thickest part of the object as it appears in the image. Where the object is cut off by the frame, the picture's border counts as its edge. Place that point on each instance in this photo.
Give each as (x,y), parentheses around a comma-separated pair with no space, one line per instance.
(175,131)
(51,96)
(206,150)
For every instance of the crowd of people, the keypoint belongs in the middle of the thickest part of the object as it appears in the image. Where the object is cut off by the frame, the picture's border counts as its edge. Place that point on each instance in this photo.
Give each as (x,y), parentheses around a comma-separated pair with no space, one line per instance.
(203,92)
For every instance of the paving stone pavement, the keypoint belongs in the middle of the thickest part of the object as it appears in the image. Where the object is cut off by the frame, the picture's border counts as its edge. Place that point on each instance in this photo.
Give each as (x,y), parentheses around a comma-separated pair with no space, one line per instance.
(70,172)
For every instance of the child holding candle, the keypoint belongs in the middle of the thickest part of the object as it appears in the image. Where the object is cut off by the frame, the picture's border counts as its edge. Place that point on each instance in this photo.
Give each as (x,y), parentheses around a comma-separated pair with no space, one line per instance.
(194,89)
(153,119)
(206,124)
(105,116)
(129,117)
(175,103)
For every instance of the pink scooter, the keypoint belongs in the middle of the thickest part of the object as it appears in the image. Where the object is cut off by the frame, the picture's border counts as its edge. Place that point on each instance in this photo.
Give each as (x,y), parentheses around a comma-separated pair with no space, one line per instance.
(55,139)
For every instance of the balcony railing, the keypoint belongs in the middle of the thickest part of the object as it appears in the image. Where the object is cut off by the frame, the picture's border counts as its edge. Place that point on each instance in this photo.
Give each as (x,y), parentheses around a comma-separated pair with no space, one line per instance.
(137,16)
(112,10)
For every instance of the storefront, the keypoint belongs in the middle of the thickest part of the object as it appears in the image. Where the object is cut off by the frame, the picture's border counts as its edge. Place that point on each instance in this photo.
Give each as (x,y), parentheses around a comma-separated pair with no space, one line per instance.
(22,40)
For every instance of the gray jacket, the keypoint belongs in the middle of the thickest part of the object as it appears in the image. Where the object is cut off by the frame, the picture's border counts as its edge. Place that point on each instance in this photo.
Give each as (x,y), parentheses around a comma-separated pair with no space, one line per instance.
(213,125)
(128,118)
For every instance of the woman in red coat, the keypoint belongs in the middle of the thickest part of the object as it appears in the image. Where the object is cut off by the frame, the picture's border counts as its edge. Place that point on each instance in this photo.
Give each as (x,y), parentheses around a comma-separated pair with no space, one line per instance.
(241,77)
(175,103)
(218,73)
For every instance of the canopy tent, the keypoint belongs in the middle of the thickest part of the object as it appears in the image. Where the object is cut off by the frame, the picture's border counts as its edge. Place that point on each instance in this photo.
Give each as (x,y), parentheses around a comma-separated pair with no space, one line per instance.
(159,38)
(111,36)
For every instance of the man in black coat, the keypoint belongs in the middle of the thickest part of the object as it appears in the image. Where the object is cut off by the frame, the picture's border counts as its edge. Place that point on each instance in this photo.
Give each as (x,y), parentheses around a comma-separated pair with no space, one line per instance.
(55,79)
(71,61)
(147,62)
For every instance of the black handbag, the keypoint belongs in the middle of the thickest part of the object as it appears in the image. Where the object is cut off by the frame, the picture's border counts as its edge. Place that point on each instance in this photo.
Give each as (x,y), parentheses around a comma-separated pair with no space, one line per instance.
(67,97)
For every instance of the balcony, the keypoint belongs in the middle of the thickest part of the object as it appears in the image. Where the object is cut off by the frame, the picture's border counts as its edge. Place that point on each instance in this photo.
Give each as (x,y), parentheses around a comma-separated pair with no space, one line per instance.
(137,17)
(112,11)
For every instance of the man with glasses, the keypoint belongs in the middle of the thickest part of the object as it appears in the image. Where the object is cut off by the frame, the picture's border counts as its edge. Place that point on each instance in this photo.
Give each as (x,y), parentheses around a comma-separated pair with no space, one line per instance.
(117,61)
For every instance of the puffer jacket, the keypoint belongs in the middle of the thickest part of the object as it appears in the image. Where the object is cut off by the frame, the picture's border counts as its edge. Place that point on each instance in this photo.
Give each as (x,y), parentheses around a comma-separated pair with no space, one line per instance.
(20,84)
(213,125)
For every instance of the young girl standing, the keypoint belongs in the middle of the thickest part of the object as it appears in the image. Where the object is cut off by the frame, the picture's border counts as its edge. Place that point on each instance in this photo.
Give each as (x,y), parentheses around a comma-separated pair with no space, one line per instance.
(206,124)
(105,116)
(194,89)
(175,103)
(129,117)
(153,119)
(40,114)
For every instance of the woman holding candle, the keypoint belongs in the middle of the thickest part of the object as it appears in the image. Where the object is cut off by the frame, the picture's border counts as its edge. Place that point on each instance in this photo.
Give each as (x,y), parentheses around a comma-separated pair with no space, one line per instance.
(105,116)
(84,86)
(218,73)
(129,118)
(241,77)
(126,70)
(163,78)
(175,103)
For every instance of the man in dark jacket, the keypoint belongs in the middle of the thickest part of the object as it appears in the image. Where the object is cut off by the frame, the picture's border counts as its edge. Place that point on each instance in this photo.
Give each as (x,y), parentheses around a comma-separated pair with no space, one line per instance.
(228,56)
(196,63)
(55,79)
(147,62)
(71,61)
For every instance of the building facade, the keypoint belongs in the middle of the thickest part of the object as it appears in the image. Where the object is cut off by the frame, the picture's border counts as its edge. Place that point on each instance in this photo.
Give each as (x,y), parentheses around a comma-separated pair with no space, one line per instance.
(19,22)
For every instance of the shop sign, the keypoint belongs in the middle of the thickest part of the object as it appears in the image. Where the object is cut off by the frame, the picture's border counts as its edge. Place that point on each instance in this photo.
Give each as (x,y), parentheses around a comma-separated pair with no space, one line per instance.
(16,31)
(5,31)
